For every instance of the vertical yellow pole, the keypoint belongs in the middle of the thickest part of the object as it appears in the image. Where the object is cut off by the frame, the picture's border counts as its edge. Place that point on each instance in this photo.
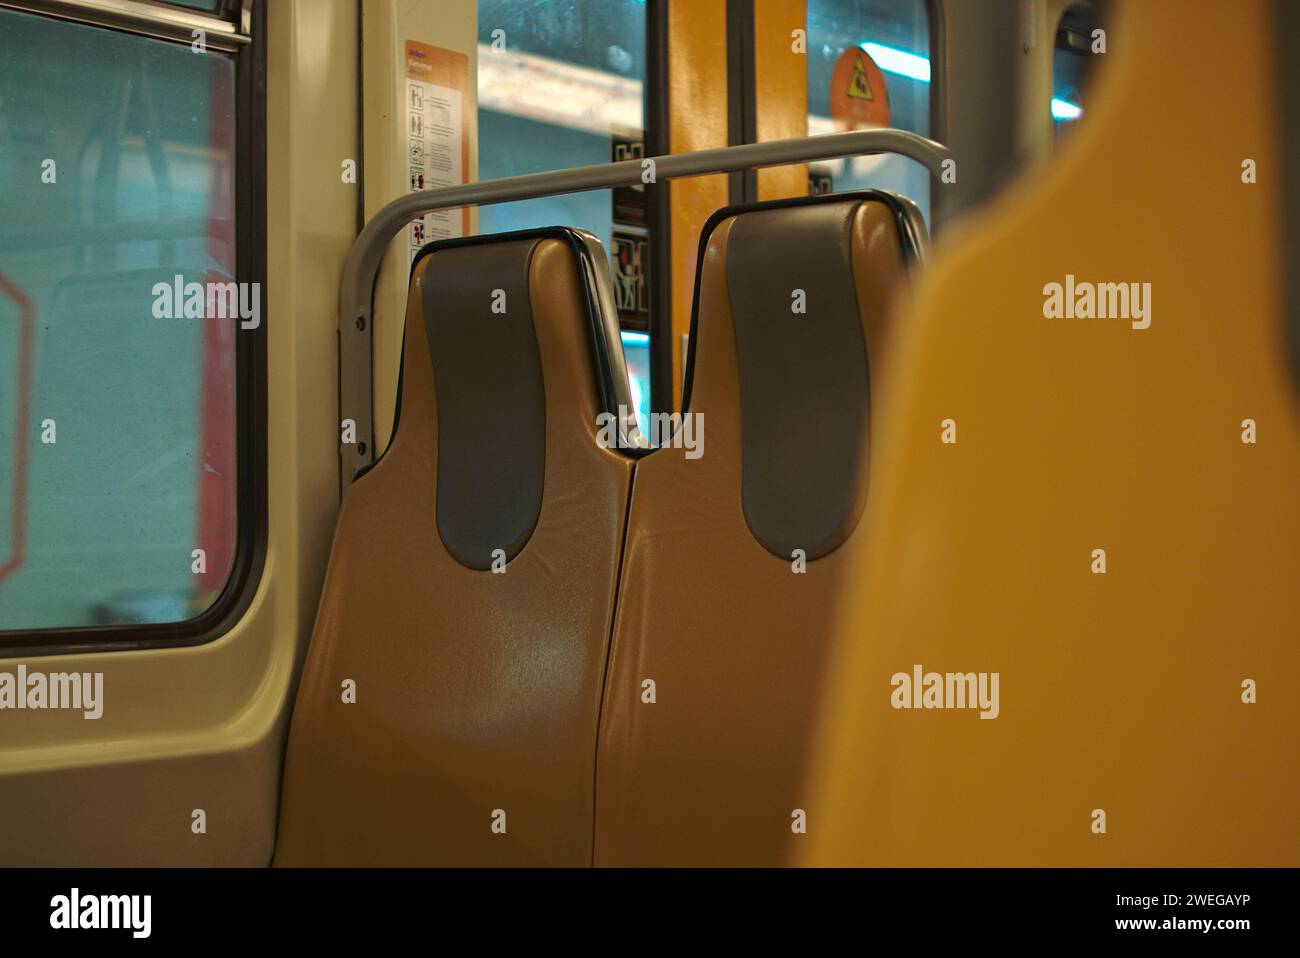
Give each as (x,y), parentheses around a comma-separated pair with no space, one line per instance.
(781,88)
(697,107)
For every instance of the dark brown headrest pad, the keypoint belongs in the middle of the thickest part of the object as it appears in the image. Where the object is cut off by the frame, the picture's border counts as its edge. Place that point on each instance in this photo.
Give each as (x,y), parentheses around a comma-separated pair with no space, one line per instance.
(803,375)
(490,399)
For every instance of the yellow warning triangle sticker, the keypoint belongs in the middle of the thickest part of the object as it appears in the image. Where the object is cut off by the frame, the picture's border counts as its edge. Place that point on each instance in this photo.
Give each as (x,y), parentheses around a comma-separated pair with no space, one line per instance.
(859,85)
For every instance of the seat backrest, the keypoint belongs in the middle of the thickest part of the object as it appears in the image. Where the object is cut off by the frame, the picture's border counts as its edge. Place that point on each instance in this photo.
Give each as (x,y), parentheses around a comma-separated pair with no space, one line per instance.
(734,547)
(448,709)
(1113,528)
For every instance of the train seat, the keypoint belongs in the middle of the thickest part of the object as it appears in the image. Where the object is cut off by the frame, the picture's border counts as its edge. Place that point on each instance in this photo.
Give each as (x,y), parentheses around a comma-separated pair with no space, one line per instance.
(733,555)
(1108,532)
(447,712)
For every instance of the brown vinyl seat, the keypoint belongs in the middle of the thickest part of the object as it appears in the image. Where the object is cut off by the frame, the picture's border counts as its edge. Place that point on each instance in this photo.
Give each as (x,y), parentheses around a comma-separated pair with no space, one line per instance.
(704,767)
(447,712)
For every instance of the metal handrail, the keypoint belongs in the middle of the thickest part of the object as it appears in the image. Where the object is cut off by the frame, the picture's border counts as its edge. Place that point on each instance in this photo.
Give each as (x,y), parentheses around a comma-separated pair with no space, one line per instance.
(361,268)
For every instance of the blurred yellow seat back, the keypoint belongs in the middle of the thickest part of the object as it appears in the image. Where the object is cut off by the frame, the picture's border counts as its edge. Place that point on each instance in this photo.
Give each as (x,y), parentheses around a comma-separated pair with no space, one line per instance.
(1119,692)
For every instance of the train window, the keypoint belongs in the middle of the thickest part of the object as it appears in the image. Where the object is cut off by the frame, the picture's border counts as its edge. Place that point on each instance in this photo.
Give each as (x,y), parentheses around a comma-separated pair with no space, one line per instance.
(559,85)
(118,476)
(562,84)
(1078,40)
(869,65)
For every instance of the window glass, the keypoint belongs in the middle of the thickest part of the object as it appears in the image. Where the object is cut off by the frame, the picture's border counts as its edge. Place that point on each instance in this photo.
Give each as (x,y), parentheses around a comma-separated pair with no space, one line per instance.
(117,445)
(869,65)
(561,84)
(1072,60)
(636,350)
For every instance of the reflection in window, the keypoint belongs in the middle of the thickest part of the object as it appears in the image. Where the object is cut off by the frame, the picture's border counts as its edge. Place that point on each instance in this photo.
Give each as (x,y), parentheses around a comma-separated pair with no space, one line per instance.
(869,65)
(561,84)
(117,428)
(1072,61)
(636,350)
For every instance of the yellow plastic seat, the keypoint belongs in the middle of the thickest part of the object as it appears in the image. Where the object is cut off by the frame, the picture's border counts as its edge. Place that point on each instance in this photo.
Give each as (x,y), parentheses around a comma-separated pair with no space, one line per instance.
(1125,733)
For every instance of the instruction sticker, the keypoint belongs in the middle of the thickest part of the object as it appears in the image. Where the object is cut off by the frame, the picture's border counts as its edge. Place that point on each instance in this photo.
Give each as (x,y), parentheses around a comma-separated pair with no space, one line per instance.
(437,149)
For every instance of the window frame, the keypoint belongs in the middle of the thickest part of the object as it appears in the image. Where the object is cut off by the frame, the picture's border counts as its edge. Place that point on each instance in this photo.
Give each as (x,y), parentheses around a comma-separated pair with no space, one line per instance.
(741,85)
(239,32)
(227,30)
(659,209)
(938,26)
